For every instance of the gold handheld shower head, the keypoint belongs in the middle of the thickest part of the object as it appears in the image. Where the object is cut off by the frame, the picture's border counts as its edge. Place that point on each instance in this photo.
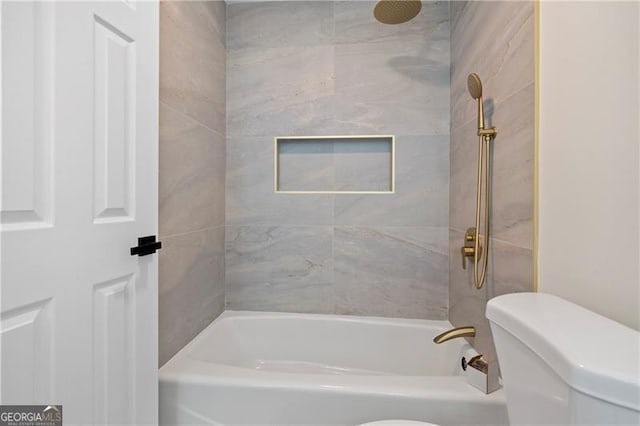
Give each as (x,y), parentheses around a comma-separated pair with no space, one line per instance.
(475,90)
(396,11)
(474,85)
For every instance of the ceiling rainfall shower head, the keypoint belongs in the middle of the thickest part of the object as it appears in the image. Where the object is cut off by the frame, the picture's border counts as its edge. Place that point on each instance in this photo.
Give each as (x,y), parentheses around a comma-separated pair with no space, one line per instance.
(474,85)
(396,11)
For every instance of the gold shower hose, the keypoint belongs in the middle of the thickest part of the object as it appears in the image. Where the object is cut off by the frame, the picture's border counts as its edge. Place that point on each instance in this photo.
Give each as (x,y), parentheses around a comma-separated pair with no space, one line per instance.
(484,149)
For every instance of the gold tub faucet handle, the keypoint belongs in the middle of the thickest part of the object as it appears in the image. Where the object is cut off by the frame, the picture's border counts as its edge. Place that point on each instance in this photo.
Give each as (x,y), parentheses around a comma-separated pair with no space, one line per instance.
(469,249)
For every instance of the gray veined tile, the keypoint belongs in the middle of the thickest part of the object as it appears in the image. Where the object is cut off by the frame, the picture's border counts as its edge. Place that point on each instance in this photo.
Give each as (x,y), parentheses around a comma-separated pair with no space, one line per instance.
(388,88)
(250,193)
(192,174)
(455,11)
(279,268)
(275,91)
(192,258)
(513,168)
(279,24)
(195,87)
(218,9)
(306,165)
(463,176)
(196,19)
(501,53)
(396,272)
(355,23)
(510,269)
(191,286)
(363,164)
(422,190)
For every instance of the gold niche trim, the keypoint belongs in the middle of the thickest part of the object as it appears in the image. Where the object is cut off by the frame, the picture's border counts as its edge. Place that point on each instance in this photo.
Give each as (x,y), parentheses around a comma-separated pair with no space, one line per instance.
(276,165)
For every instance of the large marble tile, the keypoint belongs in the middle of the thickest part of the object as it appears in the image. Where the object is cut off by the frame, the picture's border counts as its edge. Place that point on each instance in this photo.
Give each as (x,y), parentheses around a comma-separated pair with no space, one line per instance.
(422,191)
(355,23)
(192,60)
(455,11)
(502,53)
(250,195)
(306,165)
(393,87)
(372,79)
(362,165)
(394,272)
(191,287)
(463,176)
(279,24)
(279,91)
(279,268)
(513,169)
(510,270)
(192,174)
(216,11)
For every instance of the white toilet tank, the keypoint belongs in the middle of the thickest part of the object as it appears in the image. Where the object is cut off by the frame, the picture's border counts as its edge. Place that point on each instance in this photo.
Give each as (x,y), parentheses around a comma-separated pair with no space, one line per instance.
(562,364)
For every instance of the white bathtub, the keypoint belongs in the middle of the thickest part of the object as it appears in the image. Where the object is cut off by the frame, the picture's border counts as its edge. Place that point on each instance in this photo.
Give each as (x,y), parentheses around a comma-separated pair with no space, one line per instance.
(298,369)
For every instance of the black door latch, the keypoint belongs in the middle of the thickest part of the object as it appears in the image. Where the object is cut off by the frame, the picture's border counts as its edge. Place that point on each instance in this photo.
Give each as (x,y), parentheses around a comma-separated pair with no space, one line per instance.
(146,245)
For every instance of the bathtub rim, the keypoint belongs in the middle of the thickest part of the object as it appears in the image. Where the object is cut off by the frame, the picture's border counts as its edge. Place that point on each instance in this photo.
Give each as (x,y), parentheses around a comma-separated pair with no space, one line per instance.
(439,325)
(183,369)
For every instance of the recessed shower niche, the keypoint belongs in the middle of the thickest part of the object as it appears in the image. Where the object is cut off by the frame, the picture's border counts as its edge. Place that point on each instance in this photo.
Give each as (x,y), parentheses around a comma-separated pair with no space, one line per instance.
(335,164)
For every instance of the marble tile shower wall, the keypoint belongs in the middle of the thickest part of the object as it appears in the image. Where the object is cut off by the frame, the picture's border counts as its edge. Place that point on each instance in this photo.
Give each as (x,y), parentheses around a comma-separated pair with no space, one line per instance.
(328,68)
(495,40)
(192,162)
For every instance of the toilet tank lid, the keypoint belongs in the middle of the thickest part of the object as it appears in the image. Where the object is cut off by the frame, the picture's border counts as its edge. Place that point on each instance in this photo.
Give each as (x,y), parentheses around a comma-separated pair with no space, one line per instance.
(591,353)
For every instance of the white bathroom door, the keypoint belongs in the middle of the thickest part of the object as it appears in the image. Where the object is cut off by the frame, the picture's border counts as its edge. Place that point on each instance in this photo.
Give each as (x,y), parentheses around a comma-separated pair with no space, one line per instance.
(79,102)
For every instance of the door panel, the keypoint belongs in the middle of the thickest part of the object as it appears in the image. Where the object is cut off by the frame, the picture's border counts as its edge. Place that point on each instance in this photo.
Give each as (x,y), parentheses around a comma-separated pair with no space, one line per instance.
(114,122)
(114,351)
(27,31)
(26,374)
(78,314)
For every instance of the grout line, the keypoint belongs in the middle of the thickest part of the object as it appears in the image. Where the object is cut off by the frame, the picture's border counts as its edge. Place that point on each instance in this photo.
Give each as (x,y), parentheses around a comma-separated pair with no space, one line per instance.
(180,234)
(333,29)
(185,115)
(270,225)
(509,243)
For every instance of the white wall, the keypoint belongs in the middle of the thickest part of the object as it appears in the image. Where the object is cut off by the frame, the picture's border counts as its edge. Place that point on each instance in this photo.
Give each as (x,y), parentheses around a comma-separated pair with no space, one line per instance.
(589,156)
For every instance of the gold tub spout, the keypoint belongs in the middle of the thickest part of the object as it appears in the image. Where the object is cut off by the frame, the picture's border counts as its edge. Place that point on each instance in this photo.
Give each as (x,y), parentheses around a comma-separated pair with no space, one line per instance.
(466,331)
